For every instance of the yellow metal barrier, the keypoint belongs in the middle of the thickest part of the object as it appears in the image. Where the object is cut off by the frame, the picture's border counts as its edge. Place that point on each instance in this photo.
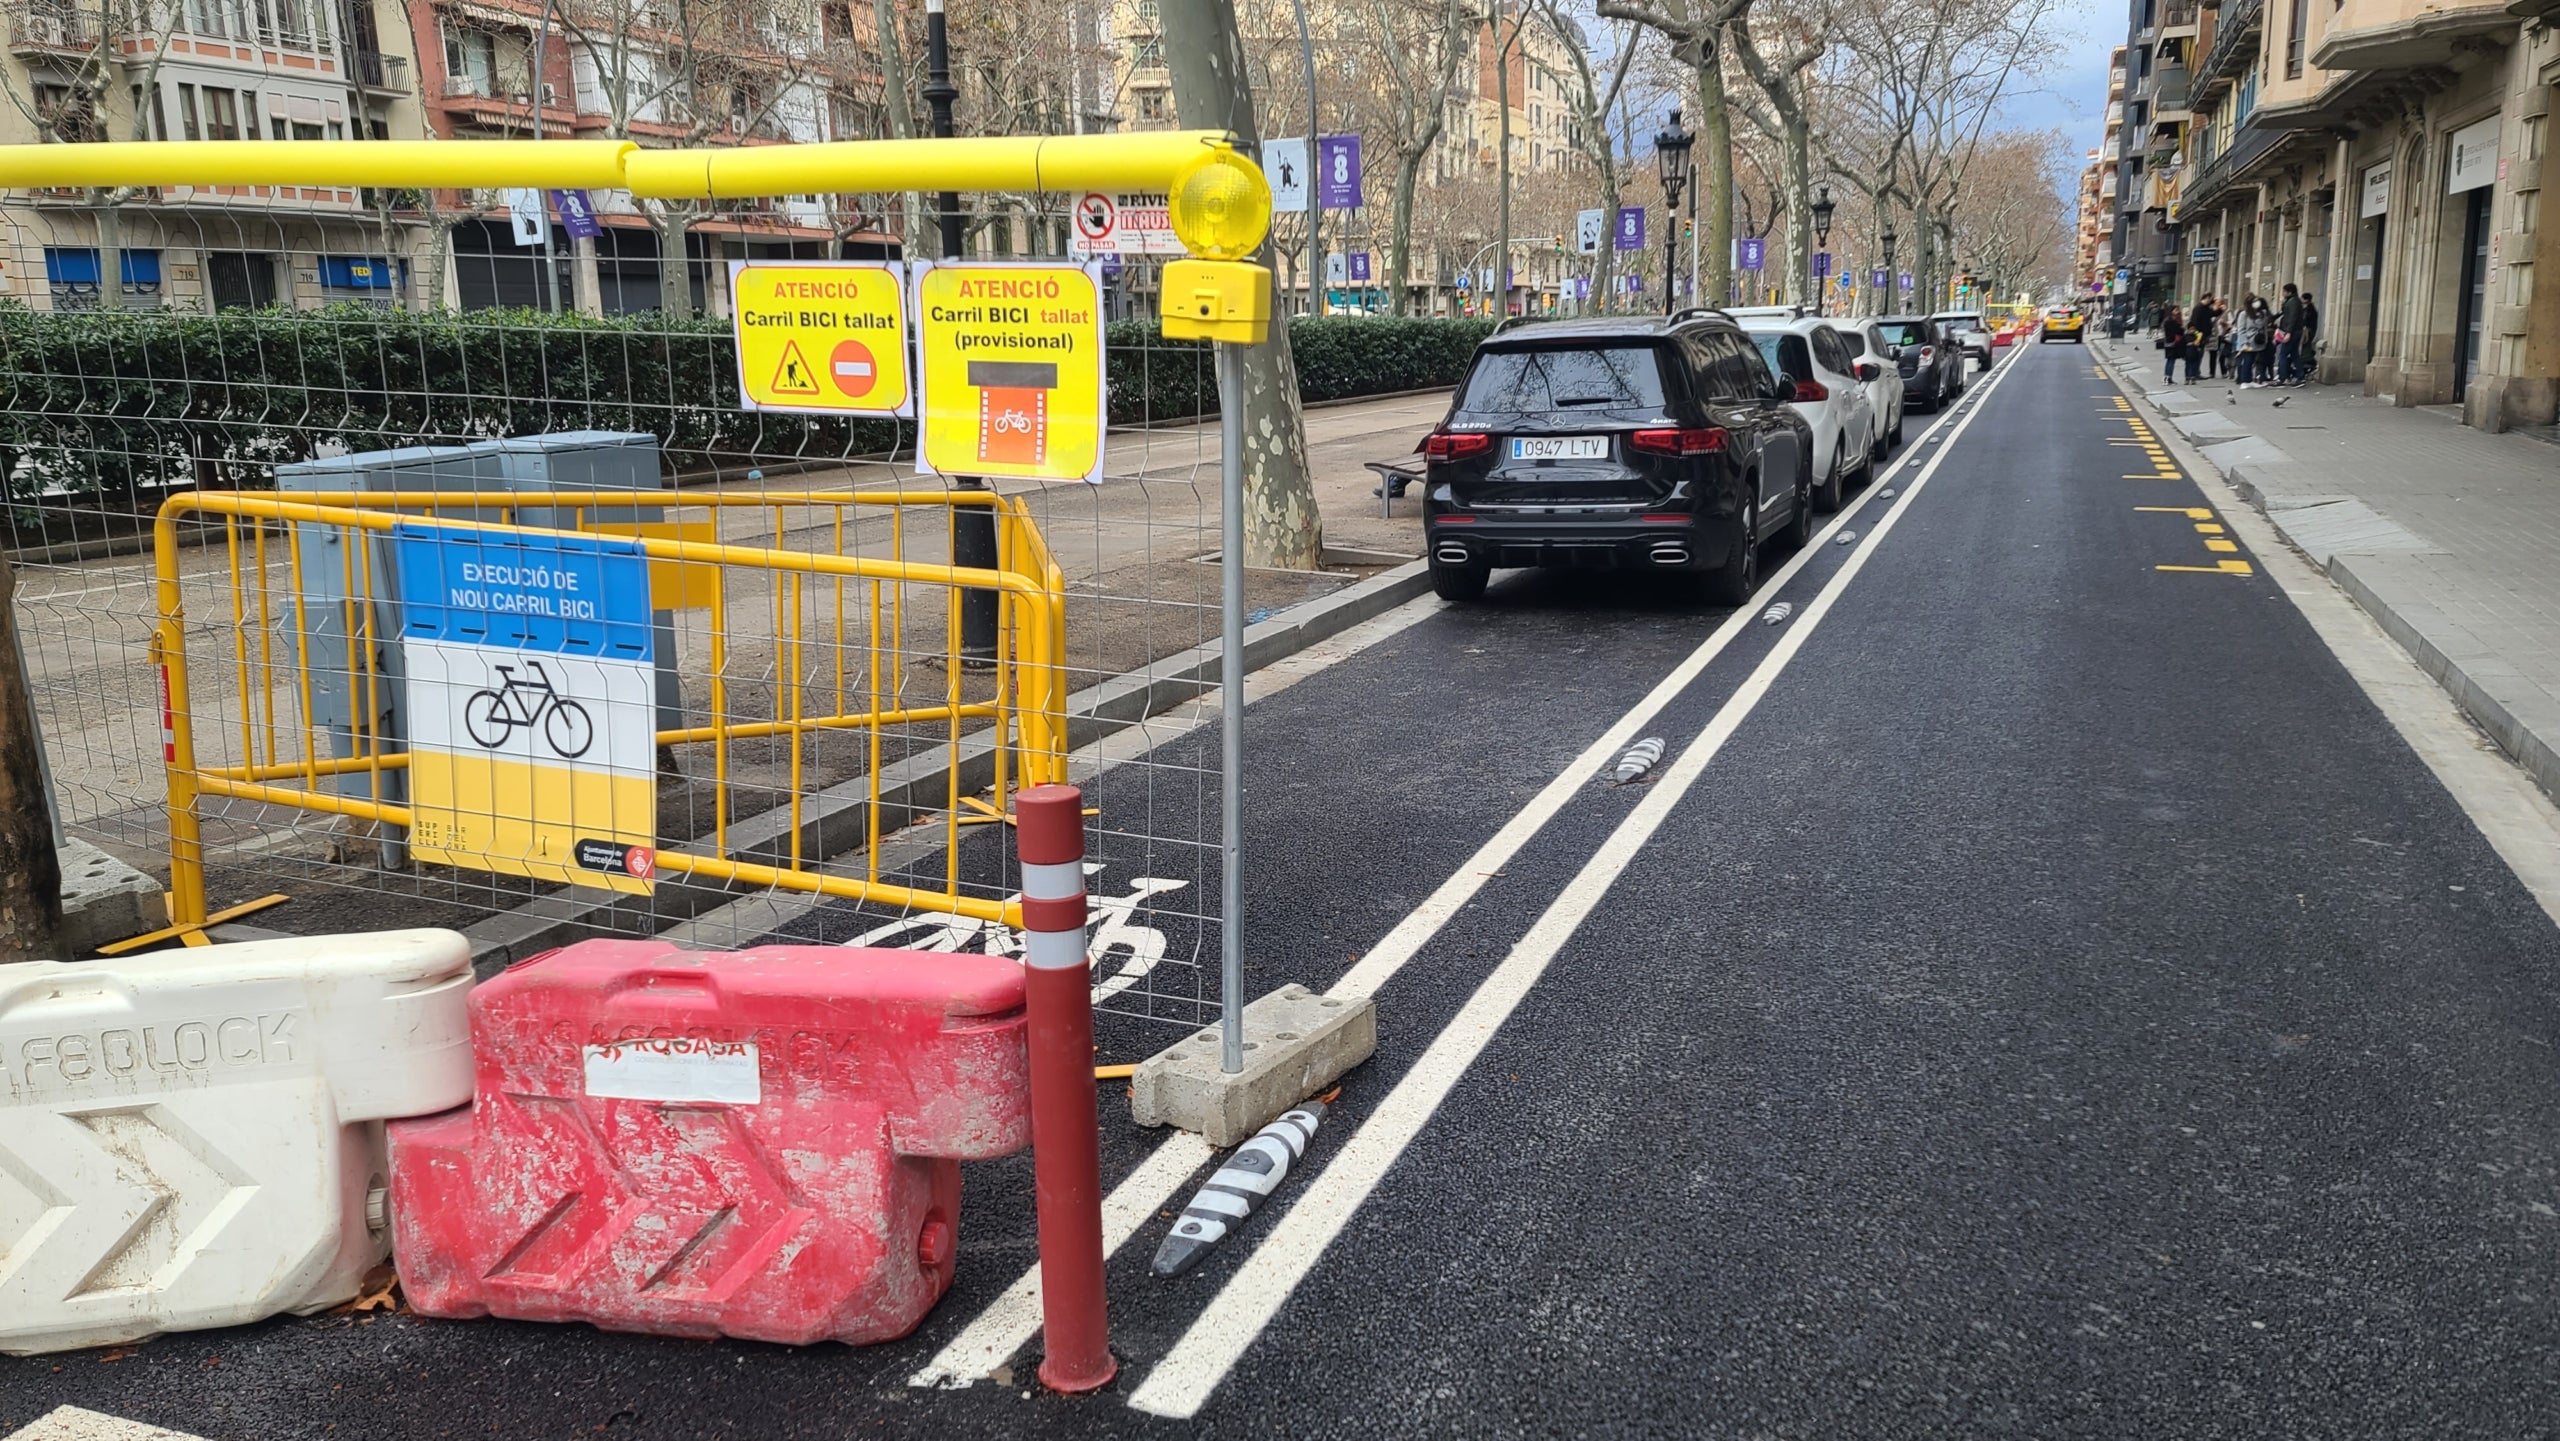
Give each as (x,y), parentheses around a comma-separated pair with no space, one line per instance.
(1130,161)
(857,620)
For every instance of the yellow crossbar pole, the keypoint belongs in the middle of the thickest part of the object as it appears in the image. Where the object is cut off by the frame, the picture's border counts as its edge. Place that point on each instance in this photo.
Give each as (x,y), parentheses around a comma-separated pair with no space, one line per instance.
(1141,161)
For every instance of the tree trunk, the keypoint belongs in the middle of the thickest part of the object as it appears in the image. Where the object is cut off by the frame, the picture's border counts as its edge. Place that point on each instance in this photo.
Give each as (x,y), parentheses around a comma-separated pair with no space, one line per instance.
(586,281)
(1604,279)
(1715,220)
(1400,232)
(30,871)
(1282,528)
(110,257)
(1799,181)
(675,268)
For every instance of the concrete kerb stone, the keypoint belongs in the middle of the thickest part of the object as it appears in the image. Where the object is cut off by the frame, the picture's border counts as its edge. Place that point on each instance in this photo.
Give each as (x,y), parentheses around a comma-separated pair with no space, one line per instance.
(2278,487)
(836,820)
(103,899)
(1296,1044)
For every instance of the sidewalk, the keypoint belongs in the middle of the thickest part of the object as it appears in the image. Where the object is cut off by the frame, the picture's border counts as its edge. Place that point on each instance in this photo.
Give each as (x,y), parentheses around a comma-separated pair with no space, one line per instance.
(2448,536)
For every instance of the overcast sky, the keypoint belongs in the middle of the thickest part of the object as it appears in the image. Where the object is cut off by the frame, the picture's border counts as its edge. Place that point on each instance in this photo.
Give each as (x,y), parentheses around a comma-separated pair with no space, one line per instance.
(2071,96)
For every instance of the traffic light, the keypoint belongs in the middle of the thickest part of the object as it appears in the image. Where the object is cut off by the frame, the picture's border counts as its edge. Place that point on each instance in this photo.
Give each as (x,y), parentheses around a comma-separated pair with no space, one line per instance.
(1688,230)
(1559,244)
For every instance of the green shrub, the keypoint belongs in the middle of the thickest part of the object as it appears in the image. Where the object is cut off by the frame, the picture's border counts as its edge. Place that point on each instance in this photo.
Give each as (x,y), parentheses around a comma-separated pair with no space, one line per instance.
(117,403)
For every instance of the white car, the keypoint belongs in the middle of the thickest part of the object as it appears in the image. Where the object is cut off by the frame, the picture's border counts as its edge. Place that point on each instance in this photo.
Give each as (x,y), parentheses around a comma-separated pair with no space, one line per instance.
(1884,389)
(1759,314)
(1968,330)
(1826,386)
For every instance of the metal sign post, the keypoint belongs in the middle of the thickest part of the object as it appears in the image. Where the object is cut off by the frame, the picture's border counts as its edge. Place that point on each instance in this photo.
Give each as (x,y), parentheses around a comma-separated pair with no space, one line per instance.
(1231,710)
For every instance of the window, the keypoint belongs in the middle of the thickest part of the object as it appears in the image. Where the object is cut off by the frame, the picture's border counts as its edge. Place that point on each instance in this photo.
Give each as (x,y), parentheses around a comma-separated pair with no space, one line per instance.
(1147,53)
(1621,377)
(248,114)
(276,127)
(1151,106)
(221,114)
(73,273)
(187,125)
(305,130)
(470,62)
(2293,39)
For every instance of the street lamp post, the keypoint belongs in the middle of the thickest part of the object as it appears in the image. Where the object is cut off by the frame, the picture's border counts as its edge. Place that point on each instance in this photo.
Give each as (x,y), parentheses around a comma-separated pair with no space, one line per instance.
(973,527)
(1671,150)
(1892,277)
(1823,207)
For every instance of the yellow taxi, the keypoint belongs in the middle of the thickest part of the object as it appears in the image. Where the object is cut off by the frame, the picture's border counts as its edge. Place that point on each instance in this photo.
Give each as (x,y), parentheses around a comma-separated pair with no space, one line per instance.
(2063,322)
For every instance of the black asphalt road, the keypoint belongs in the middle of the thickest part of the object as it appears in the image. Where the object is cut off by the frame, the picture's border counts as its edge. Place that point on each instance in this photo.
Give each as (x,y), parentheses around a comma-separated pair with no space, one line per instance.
(2064,1008)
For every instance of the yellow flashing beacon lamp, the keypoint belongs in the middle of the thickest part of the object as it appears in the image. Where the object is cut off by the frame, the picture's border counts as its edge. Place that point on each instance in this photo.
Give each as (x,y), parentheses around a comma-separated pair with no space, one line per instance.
(1220,208)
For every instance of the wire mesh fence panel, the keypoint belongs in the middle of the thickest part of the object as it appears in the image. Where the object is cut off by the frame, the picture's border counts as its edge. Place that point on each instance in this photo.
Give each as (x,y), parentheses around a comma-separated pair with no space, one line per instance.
(815,719)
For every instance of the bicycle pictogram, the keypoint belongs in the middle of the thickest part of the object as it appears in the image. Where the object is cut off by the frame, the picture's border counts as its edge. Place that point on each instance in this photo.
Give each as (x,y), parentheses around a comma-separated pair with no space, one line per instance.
(493,715)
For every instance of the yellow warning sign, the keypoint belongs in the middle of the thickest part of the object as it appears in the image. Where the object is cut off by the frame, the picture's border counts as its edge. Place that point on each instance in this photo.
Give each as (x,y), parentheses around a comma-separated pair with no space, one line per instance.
(822,336)
(792,376)
(1013,378)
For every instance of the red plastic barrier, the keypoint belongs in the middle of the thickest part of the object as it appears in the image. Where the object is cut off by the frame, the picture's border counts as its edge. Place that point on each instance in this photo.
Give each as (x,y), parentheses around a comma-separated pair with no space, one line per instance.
(763,1144)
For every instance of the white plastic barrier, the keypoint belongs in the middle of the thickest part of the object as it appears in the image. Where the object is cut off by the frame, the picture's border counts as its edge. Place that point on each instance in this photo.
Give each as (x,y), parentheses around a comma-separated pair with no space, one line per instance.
(194,1138)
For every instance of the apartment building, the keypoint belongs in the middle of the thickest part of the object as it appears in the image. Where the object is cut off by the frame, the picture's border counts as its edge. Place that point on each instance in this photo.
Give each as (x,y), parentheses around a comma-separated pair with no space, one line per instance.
(273,70)
(765,75)
(2387,156)
(1455,221)
(2148,128)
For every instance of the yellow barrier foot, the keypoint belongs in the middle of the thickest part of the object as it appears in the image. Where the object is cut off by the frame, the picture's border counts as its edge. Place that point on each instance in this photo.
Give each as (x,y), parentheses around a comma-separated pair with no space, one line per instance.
(191,932)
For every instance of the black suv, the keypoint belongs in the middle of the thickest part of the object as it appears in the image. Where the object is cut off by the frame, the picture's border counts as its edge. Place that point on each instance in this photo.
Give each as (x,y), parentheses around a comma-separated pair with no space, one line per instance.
(1932,362)
(1635,442)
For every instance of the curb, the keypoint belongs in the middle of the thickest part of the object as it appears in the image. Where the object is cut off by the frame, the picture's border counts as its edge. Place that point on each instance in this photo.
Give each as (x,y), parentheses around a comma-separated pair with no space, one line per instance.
(837,820)
(2528,748)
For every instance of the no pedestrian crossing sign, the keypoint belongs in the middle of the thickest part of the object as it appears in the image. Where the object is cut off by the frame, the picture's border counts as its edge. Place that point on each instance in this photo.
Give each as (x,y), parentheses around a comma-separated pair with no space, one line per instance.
(827,337)
(1012,361)
(533,742)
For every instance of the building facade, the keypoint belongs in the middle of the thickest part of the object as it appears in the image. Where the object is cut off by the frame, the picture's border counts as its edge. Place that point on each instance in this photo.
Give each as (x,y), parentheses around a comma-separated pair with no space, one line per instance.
(272,70)
(2387,156)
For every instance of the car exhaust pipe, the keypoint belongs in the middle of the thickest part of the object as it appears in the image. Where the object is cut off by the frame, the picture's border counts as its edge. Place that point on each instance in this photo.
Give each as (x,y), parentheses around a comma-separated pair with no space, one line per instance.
(1452,555)
(1670,553)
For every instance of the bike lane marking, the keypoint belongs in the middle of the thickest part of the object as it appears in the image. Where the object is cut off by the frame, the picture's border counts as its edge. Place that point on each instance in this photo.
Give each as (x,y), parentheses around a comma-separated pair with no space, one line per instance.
(1219,1336)
(1009,1323)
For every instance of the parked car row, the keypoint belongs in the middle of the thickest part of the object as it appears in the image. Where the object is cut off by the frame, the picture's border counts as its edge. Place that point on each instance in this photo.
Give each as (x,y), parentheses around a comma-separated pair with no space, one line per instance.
(1680,443)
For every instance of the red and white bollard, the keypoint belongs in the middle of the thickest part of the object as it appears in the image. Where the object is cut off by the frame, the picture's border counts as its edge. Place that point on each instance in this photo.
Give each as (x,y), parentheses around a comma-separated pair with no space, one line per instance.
(1066,1142)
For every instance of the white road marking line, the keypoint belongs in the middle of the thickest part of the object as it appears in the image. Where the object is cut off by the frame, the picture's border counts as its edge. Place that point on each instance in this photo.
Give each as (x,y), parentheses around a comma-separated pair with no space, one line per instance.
(1013,1318)
(70,1423)
(1006,1326)
(1218,1337)
(1010,1323)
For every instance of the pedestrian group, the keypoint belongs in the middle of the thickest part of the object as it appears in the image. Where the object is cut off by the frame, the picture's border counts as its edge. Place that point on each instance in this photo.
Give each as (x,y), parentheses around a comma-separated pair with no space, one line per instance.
(2252,344)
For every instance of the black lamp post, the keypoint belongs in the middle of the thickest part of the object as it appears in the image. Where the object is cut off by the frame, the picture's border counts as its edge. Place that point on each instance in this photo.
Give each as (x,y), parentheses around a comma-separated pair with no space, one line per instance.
(1823,206)
(1892,277)
(1671,149)
(973,527)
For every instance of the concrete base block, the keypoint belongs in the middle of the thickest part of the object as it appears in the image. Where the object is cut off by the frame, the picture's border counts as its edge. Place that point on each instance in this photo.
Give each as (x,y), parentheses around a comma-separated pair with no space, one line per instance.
(1297,1043)
(103,899)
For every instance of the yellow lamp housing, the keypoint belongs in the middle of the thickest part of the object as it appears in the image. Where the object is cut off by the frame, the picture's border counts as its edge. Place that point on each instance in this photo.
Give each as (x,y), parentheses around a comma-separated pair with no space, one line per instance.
(1219,205)
(1222,300)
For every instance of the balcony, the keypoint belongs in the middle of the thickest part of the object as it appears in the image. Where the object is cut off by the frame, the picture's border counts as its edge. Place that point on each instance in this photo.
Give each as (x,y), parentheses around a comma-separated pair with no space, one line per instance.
(2178,19)
(2235,42)
(2428,40)
(51,30)
(2169,89)
(382,74)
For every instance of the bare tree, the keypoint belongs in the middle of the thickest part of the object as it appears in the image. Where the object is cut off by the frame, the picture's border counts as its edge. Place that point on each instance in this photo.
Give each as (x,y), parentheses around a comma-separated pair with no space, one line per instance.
(1700,33)
(1784,82)
(30,871)
(687,72)
(1593,102)
(1282,528)
(1418,46)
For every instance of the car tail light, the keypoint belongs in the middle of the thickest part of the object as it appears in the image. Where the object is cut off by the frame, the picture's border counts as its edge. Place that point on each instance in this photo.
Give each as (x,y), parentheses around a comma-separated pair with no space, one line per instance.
(1926,351)
(1705,440)
(1811,390)
(1455,445)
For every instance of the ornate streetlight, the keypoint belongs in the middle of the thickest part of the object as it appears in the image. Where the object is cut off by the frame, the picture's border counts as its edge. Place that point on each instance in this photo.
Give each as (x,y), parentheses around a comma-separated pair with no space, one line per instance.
(1671,150)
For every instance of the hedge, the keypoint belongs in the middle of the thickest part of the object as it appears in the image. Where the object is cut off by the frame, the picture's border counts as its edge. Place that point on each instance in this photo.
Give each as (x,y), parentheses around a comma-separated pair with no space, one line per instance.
(119,403)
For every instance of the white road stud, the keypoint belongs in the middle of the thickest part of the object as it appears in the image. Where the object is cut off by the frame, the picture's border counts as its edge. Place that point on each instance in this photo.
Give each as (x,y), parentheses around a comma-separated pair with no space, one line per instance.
(194,1138)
